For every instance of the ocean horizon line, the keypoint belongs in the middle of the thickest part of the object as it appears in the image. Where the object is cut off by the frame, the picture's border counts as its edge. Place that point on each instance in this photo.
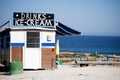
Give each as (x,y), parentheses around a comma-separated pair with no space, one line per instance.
(99,35)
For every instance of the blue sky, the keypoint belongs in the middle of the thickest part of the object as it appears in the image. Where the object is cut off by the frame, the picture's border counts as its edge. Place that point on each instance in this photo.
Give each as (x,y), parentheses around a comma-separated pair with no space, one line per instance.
(91,17)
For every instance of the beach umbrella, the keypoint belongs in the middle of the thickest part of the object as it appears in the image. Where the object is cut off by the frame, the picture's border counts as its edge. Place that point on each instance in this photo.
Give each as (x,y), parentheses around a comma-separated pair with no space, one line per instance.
(57,48)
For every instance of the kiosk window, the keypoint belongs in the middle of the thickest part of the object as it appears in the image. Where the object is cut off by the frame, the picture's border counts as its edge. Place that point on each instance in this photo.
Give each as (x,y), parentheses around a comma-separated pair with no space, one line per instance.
(33,39)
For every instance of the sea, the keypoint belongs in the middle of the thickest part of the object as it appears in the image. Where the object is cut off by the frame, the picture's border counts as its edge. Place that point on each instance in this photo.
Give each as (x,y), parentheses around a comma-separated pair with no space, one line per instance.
(90,44)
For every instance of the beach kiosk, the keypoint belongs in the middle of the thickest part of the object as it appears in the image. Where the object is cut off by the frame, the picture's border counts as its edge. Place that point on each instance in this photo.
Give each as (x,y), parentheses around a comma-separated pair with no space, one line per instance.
(29,38)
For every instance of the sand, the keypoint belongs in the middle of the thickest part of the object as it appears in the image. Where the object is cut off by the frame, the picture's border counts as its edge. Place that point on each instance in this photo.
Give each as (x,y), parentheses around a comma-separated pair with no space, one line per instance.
(68,72)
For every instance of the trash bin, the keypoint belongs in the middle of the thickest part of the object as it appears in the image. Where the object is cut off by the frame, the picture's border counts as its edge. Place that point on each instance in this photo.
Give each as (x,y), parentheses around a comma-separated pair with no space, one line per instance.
(57,64)
(16,68)
(60,62)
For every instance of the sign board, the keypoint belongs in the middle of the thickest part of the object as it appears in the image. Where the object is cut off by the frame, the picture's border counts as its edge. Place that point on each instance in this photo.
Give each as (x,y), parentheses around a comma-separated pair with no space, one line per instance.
(33,19)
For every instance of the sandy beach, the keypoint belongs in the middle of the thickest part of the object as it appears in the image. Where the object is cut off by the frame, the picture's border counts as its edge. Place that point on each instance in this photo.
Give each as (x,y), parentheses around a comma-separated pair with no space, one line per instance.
(68,72)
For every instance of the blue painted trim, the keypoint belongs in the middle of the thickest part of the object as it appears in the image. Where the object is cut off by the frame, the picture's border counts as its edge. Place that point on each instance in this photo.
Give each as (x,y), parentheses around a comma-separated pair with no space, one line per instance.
(48,44)
(17,44)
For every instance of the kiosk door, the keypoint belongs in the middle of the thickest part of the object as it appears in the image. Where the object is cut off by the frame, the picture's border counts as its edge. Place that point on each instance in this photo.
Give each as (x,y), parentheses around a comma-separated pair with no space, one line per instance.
(32,52)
